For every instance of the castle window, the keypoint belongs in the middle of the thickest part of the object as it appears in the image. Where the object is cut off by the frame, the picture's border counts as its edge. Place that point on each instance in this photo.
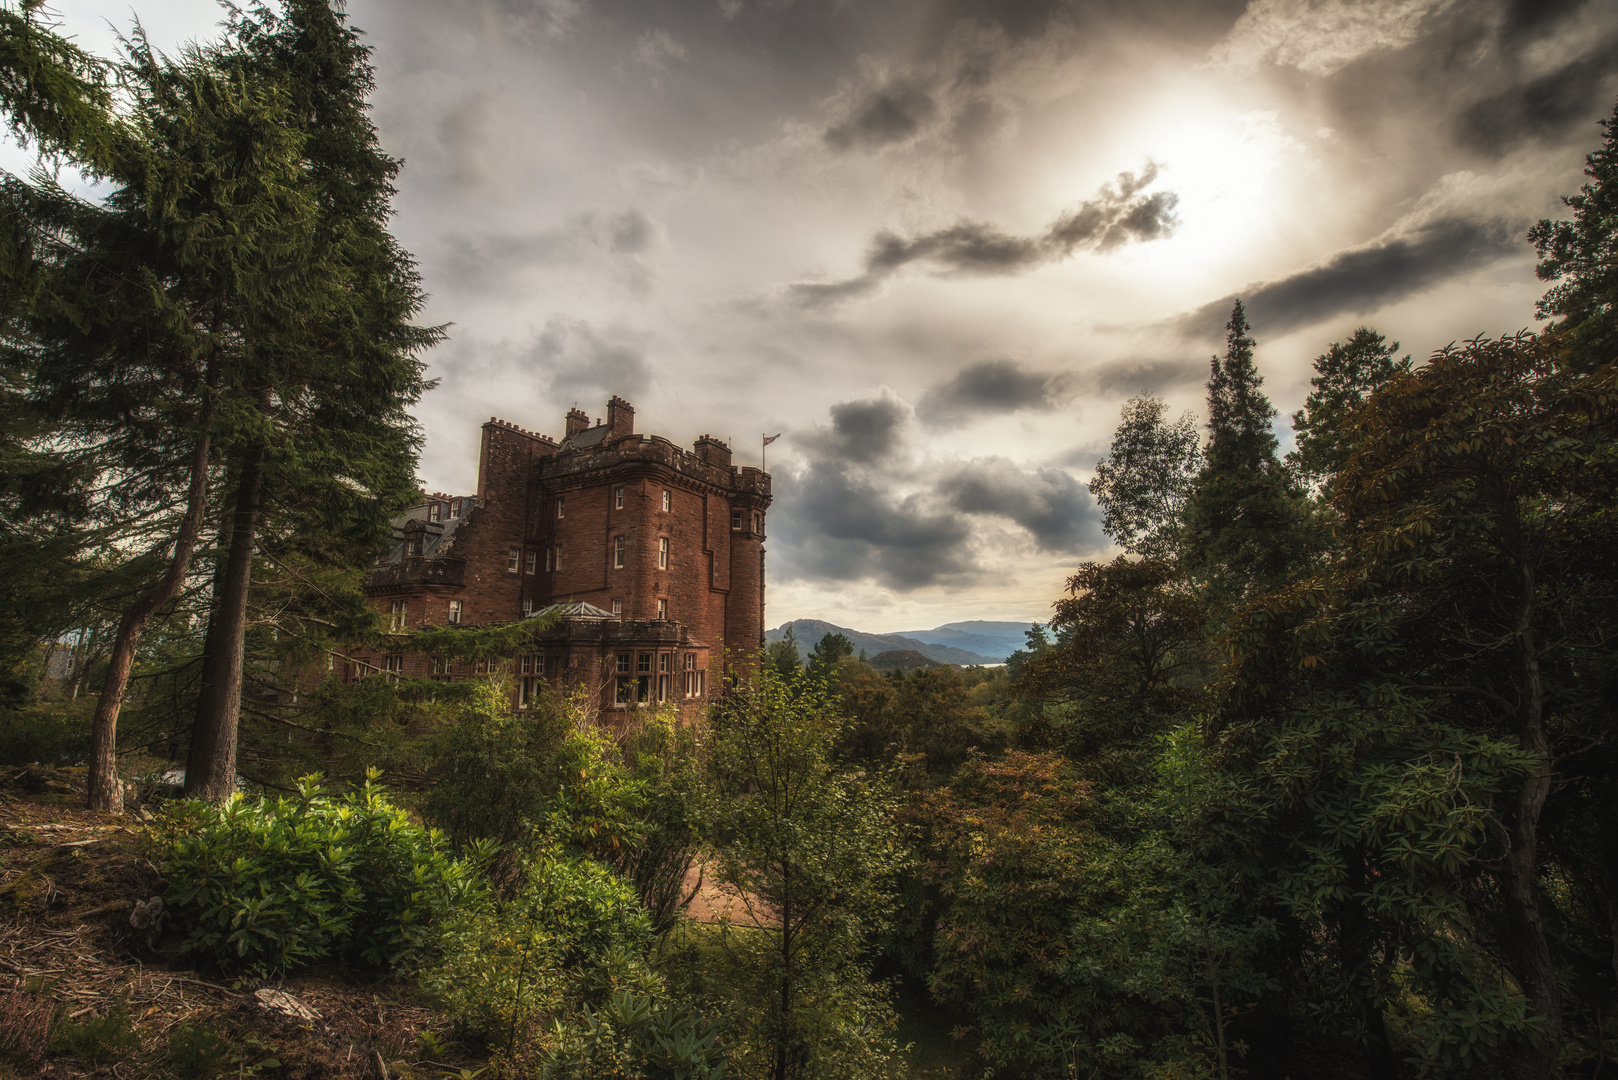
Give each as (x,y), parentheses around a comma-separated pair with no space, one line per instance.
(438,666)
(394,664)
(413,547)
(527,607)
(617,609)
(665,661)
(533,561)
(623,663)
(561,506)
(668,500)
(758,523)
(644,663)
(663,611)
(618,498)
(454,509)
(547,560)
(398,615)
(690,661)
(513,556)
(558,556)
(454,611)
(662,553)
(662,688)
(736,521)
(527,691)
(618,553)
(625,692)
(432,512)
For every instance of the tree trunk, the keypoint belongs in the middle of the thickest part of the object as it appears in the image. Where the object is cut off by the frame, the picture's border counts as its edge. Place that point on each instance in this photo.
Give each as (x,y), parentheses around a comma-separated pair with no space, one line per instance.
(105,791)
(1525,929)
(210,771)
(1356,940)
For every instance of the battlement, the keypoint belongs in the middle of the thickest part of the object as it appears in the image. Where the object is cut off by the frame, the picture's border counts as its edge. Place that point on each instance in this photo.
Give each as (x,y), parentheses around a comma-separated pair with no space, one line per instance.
(507,425)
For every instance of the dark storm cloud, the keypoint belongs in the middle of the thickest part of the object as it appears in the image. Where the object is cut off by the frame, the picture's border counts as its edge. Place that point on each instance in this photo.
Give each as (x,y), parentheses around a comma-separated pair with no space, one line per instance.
(1118,214)
(1545,108)
(582,362)
(1154,375)
(862,432)
(842,526)
(1361,279)
(1054,507)
(992,387)
(892,114)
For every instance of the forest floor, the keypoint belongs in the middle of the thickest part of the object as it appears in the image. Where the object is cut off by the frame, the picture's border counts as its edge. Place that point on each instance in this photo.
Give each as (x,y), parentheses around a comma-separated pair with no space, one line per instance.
(121,1006)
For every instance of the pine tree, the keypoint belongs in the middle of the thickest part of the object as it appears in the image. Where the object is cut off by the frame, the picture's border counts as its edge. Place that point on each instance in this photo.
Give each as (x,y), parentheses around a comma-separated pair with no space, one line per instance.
(150,314)
(1243,521)
(342,390)
(1345,376)
(1581,255)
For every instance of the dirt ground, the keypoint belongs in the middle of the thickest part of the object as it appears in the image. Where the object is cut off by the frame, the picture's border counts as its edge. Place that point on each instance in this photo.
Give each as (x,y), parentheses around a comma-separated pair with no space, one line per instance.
(120,1003)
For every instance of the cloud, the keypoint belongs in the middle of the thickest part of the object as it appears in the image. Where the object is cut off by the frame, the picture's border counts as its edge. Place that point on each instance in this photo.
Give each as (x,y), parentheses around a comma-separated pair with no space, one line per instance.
(655,48)
(1135,374)
(1118,214)
(863,432)
(1320,37)
(583,363)
(480,260)
(841,525)
(889,115)
(1542,108)
(1361,279)
(988,388)
(1054,507)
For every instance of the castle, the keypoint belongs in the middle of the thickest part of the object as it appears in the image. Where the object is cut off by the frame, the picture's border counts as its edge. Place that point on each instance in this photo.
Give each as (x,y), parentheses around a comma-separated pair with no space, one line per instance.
(651,557)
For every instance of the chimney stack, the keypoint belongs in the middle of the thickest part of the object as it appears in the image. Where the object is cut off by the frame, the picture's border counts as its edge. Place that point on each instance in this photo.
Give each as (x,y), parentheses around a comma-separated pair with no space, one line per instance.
(577,421)
(620,418)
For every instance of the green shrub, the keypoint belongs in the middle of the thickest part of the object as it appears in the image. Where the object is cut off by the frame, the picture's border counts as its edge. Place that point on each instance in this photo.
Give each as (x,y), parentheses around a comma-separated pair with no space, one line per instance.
(43,735)
(635,1037)
(573,931)
(271,886)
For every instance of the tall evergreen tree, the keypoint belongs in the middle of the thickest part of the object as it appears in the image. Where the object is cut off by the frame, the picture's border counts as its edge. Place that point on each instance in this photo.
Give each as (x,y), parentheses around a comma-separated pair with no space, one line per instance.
(334,407)
(148,311)
(1581,256)
(1243,520)
(1345,375)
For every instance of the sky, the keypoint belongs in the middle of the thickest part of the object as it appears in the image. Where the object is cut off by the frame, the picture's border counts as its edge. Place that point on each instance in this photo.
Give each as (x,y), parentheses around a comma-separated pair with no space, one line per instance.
(936,244)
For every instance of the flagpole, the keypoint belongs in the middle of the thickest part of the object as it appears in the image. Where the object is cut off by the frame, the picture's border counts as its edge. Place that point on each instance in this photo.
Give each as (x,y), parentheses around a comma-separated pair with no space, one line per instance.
(763,442)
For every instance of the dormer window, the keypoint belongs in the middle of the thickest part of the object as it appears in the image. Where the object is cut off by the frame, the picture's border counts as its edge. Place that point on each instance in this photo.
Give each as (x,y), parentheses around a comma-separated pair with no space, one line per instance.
(432,512)
(413,547)
(454,509)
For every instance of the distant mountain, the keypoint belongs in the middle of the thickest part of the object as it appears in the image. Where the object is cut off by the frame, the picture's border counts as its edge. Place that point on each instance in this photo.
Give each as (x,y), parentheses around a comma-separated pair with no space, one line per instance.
(998,639)
(808,632)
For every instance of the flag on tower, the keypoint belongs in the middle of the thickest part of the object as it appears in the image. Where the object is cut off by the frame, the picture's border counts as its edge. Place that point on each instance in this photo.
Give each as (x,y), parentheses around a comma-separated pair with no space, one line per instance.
(768,439)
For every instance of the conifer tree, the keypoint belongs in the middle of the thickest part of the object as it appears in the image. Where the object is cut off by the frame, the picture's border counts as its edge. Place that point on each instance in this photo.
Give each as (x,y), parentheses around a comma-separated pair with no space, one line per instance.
(1345,376)
(1243,525)
(1581,256)
(338,410)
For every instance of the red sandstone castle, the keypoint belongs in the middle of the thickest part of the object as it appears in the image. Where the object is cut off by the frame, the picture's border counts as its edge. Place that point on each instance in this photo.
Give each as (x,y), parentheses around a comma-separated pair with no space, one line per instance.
(651,555)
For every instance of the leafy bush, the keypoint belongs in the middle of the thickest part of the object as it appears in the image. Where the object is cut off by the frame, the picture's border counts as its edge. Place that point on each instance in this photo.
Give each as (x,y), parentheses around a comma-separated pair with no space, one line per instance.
(573,931)
(636,1037)
(271,886)
(38,734)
